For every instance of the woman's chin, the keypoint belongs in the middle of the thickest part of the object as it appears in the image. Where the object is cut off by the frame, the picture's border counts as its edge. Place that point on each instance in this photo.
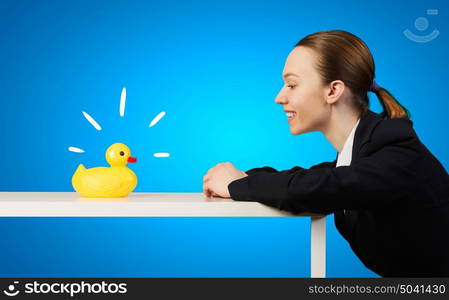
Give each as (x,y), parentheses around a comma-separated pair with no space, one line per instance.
(297,130)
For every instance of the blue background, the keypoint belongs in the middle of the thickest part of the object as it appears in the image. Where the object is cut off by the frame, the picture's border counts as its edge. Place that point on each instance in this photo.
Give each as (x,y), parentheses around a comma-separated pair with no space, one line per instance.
(215,68)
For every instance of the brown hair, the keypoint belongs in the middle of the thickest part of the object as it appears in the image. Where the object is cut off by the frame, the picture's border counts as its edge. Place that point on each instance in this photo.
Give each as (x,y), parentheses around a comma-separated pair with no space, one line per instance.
(343,56)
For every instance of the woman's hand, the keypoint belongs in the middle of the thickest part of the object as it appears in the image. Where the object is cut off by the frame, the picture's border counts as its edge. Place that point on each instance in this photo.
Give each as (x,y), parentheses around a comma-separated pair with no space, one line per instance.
(217,179)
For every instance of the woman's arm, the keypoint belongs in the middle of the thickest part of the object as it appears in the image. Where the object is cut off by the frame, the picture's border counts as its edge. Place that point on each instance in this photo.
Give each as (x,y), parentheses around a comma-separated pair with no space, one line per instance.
(263,169)
(385,178)
(294,169)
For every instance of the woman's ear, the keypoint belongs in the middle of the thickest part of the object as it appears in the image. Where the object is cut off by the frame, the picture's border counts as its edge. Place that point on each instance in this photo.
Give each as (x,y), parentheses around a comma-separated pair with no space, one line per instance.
(334,91)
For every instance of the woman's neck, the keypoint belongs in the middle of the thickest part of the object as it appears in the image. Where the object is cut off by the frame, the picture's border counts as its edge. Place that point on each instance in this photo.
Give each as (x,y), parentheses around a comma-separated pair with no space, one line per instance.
(339,126)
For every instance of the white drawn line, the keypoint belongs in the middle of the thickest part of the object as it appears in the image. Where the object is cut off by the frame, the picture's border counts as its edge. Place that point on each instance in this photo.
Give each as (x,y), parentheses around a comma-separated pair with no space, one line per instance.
(122,102)
(91,121)
(76,150)
(157,118)
(161,154)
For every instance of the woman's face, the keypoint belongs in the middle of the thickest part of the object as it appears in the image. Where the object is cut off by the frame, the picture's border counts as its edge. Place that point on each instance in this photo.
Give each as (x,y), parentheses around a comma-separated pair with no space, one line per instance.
(303,94)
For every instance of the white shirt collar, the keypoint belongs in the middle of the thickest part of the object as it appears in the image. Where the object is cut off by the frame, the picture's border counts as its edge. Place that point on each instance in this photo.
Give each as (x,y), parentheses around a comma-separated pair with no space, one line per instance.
(345,156)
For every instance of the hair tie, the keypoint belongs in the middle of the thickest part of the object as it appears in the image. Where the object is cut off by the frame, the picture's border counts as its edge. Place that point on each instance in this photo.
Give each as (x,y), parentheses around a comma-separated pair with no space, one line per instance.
(374,87)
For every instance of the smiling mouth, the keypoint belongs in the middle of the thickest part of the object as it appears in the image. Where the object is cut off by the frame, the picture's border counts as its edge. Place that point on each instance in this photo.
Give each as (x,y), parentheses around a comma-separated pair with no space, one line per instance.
(290,115)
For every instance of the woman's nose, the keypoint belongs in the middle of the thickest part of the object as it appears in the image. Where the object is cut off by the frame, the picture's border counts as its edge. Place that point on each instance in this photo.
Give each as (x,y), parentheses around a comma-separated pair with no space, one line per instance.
(280,99)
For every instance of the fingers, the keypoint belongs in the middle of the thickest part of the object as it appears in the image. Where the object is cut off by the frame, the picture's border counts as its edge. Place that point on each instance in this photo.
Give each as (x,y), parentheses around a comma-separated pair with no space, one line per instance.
(206,178)
(206,190)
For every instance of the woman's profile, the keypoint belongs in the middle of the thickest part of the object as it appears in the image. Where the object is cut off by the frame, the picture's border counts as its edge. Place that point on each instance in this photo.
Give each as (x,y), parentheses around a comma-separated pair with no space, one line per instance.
(388,193)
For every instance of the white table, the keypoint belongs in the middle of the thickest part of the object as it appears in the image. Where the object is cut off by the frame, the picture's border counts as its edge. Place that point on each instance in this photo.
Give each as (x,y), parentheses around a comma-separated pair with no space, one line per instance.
(32,204)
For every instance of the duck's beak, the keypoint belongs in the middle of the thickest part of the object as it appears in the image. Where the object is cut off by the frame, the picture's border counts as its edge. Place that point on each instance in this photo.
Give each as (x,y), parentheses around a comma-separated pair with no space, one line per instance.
(132,159)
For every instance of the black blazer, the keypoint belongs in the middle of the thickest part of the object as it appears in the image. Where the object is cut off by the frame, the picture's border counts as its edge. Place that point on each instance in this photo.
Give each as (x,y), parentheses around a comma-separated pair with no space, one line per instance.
(395,195)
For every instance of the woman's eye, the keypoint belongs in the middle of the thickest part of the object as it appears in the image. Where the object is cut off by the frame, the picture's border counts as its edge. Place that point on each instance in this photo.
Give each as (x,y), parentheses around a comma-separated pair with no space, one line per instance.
(290,86)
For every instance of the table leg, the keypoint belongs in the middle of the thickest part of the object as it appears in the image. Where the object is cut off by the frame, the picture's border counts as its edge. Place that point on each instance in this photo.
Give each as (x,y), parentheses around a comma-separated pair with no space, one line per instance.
(318,247)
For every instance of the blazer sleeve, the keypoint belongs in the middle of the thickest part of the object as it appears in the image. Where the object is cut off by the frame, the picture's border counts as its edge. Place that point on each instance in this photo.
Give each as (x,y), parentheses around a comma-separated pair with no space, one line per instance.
(383,178)
(294,169)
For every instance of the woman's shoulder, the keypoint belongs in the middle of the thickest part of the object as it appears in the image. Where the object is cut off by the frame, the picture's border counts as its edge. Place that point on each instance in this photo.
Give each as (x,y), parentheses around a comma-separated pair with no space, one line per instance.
(373,126)
(394,130)
(385,132)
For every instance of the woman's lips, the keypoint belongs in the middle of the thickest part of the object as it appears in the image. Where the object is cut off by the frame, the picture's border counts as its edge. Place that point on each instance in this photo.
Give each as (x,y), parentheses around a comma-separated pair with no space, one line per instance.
(291,116)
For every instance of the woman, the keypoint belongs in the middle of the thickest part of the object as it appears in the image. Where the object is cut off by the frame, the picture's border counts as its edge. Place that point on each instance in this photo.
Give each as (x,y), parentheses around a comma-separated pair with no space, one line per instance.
(389,194)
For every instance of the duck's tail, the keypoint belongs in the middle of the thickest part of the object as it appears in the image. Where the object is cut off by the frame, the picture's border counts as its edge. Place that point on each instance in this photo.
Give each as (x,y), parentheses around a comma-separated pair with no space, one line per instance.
(77,175)
(79,172)
(81,168)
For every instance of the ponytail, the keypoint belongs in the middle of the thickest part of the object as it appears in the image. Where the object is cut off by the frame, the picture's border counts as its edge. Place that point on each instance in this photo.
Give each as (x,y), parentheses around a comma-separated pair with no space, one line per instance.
(392,109)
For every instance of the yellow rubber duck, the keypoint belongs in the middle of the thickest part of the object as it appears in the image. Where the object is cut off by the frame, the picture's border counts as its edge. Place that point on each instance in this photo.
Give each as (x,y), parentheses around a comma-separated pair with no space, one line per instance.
(102,182)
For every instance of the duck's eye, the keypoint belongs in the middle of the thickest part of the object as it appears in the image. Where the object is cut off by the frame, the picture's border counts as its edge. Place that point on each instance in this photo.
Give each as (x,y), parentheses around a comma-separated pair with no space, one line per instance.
(122,153)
